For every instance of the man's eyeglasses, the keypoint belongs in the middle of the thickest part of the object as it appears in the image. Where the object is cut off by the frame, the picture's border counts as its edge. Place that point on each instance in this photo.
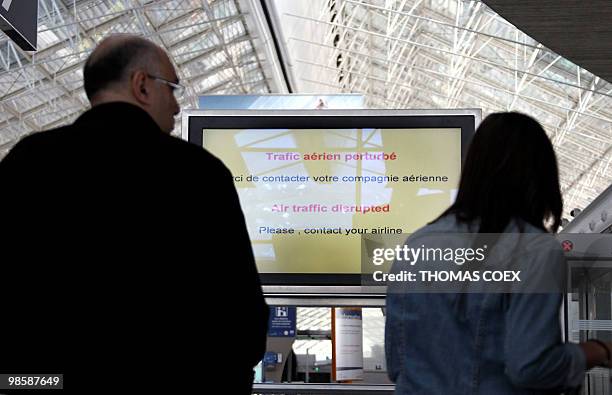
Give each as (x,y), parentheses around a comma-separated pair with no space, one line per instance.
(177,89)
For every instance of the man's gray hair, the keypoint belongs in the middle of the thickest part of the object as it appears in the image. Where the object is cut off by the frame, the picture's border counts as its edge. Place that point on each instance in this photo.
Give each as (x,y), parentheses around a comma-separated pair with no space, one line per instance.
(115,59)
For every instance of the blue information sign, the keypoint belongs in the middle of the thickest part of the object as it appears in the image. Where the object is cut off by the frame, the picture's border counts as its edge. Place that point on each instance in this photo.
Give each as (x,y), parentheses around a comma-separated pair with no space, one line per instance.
(282,321)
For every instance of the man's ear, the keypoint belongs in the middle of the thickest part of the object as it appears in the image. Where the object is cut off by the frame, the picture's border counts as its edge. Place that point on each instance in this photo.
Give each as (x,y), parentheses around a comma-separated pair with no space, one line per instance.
(139,87)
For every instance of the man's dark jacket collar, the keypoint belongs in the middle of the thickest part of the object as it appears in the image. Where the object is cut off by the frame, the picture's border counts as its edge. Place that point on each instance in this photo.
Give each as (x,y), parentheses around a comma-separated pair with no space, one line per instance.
(113,112)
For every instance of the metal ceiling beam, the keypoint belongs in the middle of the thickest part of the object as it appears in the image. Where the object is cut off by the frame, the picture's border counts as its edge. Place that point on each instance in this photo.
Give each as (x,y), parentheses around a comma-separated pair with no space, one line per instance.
(437,22)
(221,37)
(479,60)
(475,83)
(277,40)
(579,31)
(264,42)
(40,67)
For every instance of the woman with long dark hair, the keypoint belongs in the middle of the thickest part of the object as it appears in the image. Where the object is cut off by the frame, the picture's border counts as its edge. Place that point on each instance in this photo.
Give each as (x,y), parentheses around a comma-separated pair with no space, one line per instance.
(492,343)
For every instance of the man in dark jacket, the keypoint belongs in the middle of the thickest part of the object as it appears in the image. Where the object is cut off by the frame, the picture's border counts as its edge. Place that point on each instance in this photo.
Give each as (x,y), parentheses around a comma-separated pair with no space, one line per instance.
(125,252)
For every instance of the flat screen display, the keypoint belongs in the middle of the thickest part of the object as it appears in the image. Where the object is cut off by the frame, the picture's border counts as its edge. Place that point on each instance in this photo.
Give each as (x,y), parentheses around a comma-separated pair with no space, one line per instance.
(310,186)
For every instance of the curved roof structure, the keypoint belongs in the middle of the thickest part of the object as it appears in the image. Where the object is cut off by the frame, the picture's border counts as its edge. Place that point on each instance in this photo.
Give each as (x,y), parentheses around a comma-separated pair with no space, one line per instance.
(397,53)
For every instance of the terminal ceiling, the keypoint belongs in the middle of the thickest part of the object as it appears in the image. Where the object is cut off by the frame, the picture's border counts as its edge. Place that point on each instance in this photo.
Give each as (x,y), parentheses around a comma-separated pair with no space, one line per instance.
(405,54)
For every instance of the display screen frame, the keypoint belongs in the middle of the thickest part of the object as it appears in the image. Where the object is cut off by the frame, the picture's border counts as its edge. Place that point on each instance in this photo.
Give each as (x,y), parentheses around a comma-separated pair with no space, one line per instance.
(195,122)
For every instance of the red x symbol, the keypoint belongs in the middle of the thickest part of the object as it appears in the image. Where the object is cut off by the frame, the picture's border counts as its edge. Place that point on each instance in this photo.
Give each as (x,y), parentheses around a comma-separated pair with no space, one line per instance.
(567,245)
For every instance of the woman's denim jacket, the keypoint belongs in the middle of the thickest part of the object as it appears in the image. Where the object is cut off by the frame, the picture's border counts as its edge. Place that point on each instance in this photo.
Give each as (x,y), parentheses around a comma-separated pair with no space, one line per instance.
(498,343)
